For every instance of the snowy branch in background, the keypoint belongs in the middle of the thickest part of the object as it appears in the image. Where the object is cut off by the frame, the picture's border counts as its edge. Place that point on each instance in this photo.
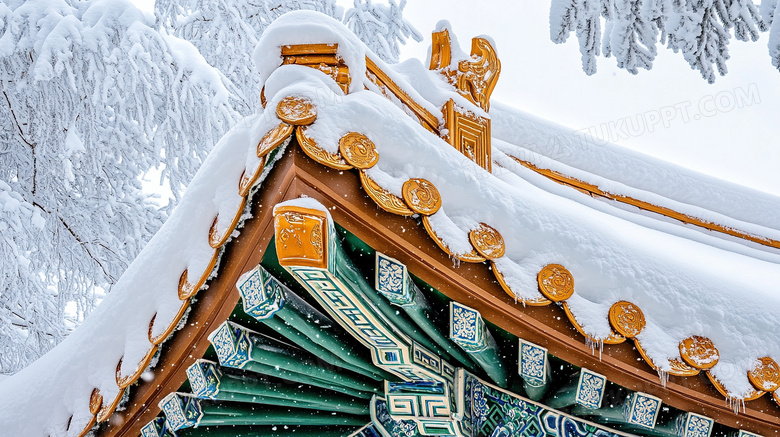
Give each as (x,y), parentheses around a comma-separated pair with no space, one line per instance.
(93,97)
(381,27)
(699,29)
(226,32)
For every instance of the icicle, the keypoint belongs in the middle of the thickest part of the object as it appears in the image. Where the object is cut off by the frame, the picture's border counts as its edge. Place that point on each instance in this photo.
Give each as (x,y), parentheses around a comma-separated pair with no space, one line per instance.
(663,376)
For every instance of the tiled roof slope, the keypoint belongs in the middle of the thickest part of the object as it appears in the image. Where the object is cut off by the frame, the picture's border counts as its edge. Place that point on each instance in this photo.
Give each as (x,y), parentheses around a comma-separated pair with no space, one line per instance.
(686,289)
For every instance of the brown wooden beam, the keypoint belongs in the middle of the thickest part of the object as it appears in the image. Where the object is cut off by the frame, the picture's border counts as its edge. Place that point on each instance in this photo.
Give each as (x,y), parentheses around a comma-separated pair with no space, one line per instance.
(404,238)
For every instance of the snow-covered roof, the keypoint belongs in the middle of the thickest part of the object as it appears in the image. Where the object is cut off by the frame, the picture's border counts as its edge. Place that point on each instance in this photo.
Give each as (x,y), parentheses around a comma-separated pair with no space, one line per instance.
(686,282)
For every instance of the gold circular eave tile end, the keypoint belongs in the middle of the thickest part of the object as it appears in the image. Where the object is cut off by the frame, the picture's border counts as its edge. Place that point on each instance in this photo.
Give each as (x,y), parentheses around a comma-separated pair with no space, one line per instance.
(626,318)
(358,151)
(421,196)
(487,241)
(555,282)
(766,375)
(296,111)
(699,352)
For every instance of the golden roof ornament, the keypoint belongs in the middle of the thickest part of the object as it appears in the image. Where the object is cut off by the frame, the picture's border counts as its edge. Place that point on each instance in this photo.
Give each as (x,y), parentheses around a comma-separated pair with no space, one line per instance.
(476,78)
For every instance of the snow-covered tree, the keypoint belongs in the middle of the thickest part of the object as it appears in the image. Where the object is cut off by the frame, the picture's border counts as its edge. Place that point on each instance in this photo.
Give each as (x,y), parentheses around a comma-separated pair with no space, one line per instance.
(699,29)
(93,97)
(381,27)
(226,32)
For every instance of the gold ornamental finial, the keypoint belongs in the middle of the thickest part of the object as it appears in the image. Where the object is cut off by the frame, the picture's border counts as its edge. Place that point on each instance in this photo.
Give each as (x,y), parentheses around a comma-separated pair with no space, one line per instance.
(475,79)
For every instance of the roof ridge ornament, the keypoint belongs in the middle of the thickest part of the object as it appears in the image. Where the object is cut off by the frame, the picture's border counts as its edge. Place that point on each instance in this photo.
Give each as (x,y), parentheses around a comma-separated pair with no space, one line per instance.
(475,79)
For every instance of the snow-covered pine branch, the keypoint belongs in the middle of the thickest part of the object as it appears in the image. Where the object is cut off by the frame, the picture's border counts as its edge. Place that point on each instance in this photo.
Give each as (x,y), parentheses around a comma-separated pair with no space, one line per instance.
(381,27)
(700,29)
(93,97)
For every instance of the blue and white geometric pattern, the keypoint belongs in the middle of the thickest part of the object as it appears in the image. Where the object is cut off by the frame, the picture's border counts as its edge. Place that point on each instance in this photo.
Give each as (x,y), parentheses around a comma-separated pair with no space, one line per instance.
(181,411)
(694,425)
(590,389)
(232,344)
(467,327)
(204,377)
(158,427)
(261,294)
(747,434)
(391,280)
(642,409)
(532,365)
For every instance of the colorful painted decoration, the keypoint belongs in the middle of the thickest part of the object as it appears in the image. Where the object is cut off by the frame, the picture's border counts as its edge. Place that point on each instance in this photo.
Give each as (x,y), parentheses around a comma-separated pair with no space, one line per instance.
(555,282)
(467,328)
(642,409)
(626,318)
(590,389)
(204,377)
(533,365)
(358,150)
(391,280)
(487,242)
(694,425)
(181,411)
(699,352)
(421,196)
(232,344)
(766,375)
(296,111)
(261,294)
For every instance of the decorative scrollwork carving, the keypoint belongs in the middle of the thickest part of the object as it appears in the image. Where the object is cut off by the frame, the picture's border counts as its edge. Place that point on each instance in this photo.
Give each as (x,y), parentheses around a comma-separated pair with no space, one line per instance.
(296,111)
(358,150)
(766,375)
(421,196)
(309,146)
(626,318)
(700,352)
(385,199)
(487,241)
(555,282)
(477,78)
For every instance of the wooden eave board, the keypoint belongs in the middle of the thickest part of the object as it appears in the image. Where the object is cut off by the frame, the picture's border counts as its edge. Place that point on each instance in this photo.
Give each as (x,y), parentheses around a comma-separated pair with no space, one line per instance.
(404,238)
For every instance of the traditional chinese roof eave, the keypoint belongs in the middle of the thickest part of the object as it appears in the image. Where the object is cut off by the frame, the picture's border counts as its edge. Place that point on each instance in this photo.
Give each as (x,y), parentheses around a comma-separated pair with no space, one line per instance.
(402,238)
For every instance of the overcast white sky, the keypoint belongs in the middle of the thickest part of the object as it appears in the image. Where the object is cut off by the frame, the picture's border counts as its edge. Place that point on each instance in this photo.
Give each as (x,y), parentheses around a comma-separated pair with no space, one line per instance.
(740,144)
(728,129)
